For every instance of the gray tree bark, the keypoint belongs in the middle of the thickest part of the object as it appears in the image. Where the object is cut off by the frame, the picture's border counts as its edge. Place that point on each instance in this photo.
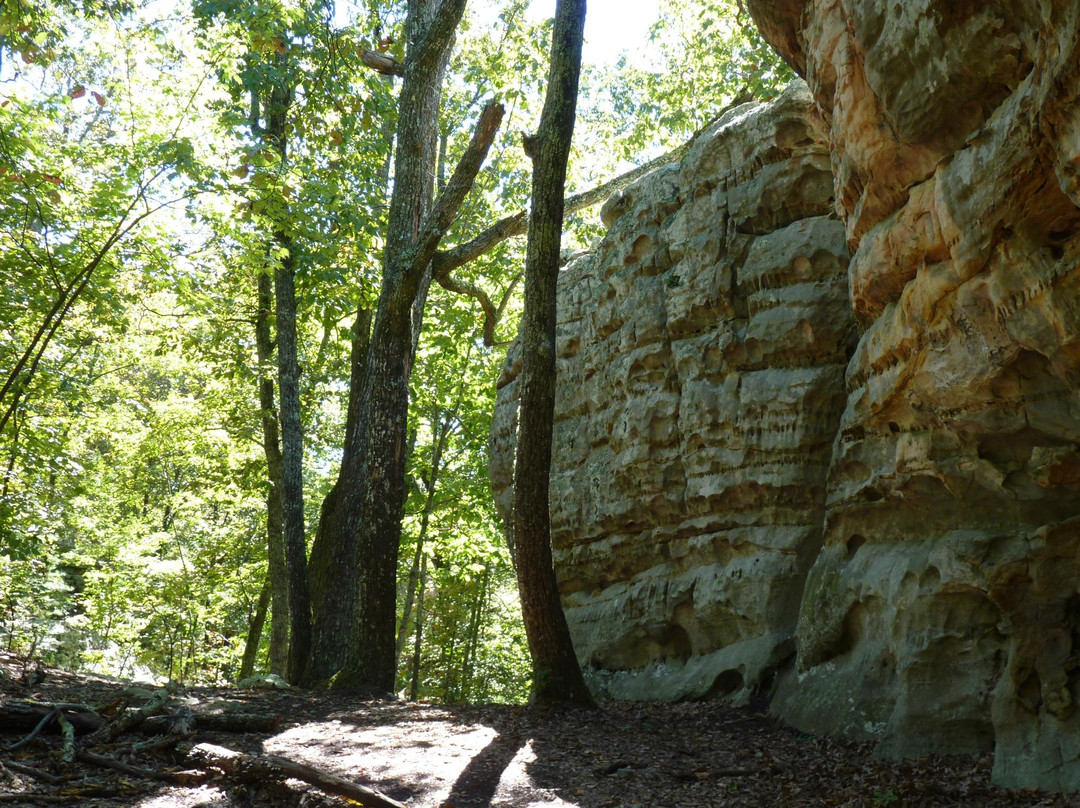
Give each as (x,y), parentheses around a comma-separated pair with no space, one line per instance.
(556,674)
(358,544)
(255,630)
(292,441)
(275,550)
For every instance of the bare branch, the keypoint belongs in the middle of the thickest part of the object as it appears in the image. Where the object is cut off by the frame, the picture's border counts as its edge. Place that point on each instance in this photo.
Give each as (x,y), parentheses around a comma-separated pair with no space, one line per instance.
(446,261)
(381,63)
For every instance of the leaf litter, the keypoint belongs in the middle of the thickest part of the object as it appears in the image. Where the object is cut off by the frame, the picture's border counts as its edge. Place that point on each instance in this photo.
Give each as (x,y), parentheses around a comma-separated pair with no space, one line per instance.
(621,755)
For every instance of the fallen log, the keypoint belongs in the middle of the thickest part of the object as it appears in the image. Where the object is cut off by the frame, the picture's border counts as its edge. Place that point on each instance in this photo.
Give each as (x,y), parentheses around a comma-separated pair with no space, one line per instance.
(219,722)
(27,716)
(257,768)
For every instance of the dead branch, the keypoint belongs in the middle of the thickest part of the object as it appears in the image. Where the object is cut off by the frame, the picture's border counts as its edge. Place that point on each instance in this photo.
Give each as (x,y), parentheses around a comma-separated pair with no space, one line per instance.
(445,208)
(256,768)
(103,761)
(44,722)
(68,730)
(129,720)
(381,63)
(446,261)
(31,772)
(27,715)
(34,798)
(31,715)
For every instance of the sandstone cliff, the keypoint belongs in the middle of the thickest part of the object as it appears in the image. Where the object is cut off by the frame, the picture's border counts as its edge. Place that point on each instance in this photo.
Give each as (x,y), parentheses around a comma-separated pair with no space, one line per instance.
(846,480)
(944,604)
(701,352)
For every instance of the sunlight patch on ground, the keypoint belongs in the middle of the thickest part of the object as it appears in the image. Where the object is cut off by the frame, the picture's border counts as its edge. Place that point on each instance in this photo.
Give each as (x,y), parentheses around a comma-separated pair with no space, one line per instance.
(428,757)
(516,786)
(203,797)
(427,761)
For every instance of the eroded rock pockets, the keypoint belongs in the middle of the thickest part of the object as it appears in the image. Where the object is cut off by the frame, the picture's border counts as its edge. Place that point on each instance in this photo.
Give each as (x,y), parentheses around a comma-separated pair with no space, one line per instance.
(942,613)
(702,348)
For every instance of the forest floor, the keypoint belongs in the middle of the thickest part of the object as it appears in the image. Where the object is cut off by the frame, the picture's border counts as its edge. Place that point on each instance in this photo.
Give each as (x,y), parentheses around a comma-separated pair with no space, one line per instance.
(687,755)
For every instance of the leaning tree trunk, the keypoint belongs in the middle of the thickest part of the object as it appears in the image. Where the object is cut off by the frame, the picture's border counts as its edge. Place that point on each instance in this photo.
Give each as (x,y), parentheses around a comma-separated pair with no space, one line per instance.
(556,673)
(255,630)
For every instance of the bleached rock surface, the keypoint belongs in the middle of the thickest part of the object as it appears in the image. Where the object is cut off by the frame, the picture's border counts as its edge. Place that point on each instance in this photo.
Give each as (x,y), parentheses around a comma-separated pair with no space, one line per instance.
(701,357)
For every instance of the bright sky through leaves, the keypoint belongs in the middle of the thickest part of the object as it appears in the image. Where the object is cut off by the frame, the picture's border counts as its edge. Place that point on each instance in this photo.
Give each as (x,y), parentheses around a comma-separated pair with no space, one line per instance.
(611,26)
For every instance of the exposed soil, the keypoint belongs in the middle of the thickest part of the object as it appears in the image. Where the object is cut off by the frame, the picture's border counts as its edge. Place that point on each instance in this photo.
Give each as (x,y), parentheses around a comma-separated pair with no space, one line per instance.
(689,755)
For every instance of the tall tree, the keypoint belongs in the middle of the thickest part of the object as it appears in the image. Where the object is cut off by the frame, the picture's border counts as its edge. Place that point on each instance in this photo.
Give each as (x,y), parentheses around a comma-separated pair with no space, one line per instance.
(556,674)
(278,102)
(277,573)
(361,539)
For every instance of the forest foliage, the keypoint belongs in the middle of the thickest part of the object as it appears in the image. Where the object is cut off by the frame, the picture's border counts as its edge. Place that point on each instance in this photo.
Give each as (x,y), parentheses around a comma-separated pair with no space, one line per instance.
(138,209)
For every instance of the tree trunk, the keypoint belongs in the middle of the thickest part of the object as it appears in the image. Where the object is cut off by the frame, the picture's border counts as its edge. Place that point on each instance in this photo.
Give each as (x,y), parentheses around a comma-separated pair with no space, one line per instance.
(333,553)
(442,433)
(255,630)
(472,645)
(556,673)
(275,550)
(414,691)
(292,442)
(334,556)
(373,480)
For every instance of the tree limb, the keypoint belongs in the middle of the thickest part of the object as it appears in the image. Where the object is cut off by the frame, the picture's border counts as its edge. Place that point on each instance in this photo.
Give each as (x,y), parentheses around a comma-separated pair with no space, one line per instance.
(257,768)
(446,261)
(44,722)
(492,313)
(437,222)
(381,63)
(94,759)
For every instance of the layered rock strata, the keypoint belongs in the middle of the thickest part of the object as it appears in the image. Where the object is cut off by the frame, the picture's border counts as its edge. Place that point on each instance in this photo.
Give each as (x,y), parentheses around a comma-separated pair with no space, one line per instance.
(701,355)
(727,480)
(943,611)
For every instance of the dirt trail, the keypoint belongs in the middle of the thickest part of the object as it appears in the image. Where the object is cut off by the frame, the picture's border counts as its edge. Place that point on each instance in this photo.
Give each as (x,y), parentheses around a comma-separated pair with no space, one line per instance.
(689,755)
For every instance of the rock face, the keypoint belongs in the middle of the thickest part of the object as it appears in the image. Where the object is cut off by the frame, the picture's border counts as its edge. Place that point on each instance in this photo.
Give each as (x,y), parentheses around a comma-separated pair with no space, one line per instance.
(846,480)
(701,353)
(944,605)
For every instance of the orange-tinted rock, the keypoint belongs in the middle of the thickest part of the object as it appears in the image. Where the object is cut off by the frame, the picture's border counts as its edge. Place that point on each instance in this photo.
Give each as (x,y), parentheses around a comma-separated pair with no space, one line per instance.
(943,613)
